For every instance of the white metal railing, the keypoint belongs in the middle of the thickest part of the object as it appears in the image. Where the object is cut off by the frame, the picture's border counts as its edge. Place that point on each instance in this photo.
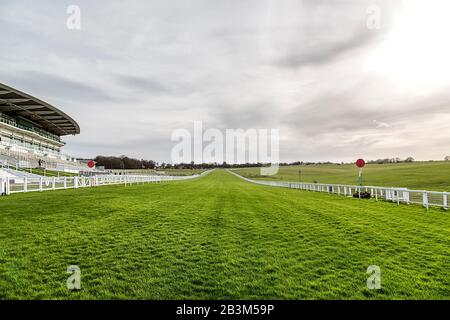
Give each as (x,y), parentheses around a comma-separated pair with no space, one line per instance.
(397,195)
(17,185)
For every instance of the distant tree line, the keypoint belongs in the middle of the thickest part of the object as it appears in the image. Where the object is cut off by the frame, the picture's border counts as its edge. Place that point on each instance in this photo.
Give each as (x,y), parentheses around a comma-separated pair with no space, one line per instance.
(124,162)
(391,160)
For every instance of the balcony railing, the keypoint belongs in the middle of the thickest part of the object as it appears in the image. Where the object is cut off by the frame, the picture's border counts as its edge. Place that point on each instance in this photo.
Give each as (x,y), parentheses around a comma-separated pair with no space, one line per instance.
(12,122)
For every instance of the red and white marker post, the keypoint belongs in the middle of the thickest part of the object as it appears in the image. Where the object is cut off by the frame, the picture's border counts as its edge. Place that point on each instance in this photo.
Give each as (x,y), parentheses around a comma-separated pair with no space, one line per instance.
(360,163)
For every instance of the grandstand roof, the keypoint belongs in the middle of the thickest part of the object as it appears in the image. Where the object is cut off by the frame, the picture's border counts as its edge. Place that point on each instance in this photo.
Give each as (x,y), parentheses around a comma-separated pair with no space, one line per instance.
(16,103)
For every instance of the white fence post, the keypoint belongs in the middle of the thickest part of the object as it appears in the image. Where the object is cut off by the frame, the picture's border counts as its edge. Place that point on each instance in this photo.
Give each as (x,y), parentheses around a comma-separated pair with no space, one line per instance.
(25,184)
(40,184)
(8,186)
(406,196)
(389,194)
(425,199)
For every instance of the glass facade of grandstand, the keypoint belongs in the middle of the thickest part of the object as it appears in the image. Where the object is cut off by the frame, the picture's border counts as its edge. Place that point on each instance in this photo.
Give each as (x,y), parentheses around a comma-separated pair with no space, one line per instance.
(28,137)
(30,133)
(30,127)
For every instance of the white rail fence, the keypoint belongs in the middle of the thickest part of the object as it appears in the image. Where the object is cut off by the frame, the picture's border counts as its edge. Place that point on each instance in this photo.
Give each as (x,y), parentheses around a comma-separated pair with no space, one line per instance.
(396,195)
(18,185)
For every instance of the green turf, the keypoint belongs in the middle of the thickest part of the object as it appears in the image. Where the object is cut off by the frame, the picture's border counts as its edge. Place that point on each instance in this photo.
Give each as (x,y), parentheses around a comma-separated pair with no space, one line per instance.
(418,175)
(49,173)
(170,172)
(182,172)
(219,237)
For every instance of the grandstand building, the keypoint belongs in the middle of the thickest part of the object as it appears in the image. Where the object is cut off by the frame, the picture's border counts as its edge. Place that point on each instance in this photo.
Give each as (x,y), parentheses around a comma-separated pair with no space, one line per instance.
(31,131)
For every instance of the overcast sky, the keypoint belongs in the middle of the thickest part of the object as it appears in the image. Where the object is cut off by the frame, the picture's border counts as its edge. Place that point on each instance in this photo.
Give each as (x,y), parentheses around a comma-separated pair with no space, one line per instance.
(336,89)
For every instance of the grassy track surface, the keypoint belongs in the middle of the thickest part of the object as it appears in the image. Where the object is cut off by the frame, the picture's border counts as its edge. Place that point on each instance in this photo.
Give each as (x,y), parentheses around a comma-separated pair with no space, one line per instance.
(417,175)
(218,237)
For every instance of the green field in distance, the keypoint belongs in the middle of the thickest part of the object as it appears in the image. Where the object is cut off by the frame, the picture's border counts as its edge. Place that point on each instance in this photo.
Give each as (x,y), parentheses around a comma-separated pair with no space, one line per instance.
(417,175)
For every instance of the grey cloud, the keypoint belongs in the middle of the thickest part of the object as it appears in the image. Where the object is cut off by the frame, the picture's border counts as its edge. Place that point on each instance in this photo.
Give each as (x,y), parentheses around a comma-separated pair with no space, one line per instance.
(54,85)
(136,71)
(143,84)
(327,29)
(310,53)
(344,111)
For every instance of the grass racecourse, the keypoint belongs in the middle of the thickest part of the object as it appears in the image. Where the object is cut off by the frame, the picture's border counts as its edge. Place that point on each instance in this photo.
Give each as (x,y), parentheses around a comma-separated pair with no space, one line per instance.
(49,173)
(219,237)
(417,175)
(168,172)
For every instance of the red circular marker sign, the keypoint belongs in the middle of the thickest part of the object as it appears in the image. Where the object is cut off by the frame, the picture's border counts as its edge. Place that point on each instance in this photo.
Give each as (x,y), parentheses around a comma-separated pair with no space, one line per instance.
(91,164)
(360,163)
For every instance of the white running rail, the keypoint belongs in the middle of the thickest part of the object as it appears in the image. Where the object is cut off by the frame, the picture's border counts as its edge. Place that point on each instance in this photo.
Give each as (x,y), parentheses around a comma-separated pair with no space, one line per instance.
(23,184)
(397,195)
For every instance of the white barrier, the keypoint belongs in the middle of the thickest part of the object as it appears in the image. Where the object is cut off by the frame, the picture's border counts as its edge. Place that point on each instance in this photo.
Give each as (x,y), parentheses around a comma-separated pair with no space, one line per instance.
(18,185)
(397,195)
